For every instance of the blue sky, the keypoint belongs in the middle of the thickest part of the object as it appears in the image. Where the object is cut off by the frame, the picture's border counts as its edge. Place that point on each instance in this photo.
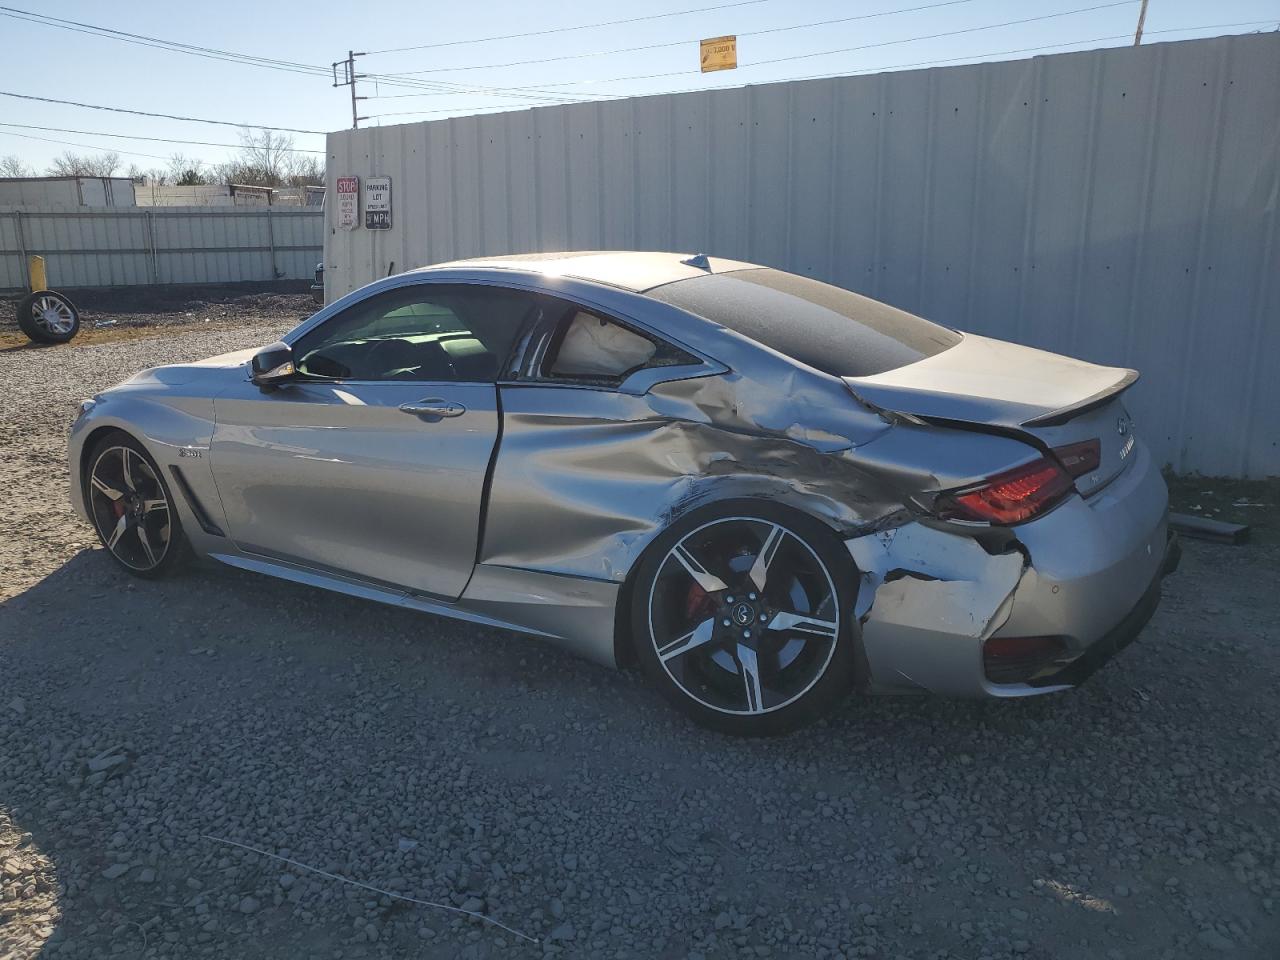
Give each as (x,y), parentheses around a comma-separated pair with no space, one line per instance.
(45,61)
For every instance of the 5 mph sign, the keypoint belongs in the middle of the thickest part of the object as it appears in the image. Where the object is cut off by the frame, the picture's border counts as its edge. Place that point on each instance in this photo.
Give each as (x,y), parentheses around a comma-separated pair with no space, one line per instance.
(377,203)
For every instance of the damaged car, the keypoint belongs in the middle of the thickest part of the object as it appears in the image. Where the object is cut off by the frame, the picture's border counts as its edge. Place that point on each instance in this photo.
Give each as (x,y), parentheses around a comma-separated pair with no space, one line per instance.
(766,491)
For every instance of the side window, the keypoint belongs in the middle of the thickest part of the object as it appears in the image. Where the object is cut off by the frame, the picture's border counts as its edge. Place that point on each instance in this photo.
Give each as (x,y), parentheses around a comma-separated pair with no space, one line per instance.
(592,349)
(427,332)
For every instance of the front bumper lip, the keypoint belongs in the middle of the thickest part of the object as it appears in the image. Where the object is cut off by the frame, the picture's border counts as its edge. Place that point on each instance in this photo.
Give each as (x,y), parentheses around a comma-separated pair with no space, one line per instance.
(1122,634)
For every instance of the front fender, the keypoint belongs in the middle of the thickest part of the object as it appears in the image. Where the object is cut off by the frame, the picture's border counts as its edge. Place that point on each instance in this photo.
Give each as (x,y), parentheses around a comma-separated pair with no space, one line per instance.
(174,429)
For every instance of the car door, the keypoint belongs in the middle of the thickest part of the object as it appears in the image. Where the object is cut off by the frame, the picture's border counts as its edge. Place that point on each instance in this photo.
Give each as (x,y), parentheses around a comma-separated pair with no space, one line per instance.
(372,461)
(588,451)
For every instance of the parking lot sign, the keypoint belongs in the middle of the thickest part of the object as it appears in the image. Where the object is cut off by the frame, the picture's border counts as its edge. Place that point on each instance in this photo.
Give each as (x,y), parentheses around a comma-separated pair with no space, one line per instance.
(377,203)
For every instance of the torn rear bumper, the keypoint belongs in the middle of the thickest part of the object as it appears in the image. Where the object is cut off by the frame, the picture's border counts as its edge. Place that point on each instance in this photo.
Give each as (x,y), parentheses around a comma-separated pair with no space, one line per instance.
(1086,575)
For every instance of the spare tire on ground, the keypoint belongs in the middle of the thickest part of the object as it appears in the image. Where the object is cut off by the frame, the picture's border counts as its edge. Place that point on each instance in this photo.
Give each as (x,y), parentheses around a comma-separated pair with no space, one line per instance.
(48,317)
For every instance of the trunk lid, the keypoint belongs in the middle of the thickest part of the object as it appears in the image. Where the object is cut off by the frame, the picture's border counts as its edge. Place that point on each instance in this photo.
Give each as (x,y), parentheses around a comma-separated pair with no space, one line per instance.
(985,382)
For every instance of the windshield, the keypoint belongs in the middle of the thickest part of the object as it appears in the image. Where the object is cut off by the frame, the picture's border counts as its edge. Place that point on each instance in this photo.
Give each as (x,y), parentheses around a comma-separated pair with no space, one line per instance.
(827,328)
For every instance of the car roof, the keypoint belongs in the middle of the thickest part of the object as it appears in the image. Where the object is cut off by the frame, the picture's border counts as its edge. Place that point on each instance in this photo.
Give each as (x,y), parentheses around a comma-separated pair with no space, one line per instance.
(629,270)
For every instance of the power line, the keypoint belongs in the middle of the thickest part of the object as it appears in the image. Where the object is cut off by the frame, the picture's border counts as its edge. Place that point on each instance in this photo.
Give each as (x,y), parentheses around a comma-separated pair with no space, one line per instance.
(244,59)
(1047,46)
(974,57)
(949,33)
(83,146)
(125,136)
(581,26)
(164,116)
(444,89)
(680,43)
(824,53)
(175,46)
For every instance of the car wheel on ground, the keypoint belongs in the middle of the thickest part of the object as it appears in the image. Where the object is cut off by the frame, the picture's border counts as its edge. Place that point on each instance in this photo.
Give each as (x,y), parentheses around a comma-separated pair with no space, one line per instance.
(132,508)
(741,613)
(48,317)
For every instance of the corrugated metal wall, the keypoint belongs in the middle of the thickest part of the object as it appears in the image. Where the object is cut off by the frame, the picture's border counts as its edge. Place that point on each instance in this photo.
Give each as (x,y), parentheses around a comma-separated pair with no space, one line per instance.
(65,193)
(1118,205)
(102,248)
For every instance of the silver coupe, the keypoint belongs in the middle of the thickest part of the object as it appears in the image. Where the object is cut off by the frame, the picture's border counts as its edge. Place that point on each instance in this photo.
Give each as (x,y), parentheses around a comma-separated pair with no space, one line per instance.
(764,490)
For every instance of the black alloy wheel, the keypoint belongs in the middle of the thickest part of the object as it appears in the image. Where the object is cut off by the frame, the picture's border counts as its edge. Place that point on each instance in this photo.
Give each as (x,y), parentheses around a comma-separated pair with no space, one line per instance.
(742,616)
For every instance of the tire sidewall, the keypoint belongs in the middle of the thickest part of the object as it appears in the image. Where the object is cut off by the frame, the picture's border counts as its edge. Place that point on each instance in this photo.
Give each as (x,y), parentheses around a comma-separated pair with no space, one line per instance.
(841,672)
(178,550)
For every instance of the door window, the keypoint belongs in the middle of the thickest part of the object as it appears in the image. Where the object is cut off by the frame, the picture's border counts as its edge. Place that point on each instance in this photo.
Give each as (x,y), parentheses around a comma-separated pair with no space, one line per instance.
(593,349)
(429,332)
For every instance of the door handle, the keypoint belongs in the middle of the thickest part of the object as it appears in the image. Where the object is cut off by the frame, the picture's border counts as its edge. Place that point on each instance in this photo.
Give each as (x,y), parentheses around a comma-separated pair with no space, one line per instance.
(434,407)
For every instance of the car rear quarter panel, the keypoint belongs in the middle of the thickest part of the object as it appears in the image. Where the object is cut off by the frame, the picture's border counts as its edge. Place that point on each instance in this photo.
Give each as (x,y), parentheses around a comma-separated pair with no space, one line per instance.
(585,478)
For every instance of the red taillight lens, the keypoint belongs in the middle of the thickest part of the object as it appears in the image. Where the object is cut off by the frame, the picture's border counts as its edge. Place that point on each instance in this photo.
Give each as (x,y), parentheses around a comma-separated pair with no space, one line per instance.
(1080,458)
(1008,498)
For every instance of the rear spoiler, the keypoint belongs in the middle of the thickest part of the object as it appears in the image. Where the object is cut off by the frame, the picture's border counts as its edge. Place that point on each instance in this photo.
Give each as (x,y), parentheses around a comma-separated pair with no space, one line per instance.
(993,383)
(1063,414)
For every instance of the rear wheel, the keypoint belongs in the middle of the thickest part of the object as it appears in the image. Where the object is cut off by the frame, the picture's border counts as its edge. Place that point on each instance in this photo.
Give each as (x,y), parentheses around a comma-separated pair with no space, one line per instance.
(742,616)
(132,509)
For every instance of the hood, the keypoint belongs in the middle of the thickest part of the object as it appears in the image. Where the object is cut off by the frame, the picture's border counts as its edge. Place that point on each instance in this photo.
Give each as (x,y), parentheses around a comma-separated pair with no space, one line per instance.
(986,381)
(211,368)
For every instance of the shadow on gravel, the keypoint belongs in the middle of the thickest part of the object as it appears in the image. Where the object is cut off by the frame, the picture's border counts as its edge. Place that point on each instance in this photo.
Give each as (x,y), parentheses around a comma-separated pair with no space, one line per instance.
(494,773)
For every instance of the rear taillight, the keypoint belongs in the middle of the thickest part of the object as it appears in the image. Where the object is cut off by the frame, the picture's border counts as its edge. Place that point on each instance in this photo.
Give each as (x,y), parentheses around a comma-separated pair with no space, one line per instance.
(1008,498)
(1080,458)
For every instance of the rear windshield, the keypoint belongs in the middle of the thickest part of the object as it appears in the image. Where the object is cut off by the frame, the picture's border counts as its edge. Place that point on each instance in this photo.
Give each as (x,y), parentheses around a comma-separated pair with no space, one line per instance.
(825,327)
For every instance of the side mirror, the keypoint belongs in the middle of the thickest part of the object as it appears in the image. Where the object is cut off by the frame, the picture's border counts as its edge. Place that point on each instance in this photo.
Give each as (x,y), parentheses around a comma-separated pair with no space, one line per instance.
(272,366)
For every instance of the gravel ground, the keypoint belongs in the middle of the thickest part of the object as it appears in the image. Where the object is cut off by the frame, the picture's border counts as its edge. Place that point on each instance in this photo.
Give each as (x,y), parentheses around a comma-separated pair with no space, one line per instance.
(117,313)
(1136,817)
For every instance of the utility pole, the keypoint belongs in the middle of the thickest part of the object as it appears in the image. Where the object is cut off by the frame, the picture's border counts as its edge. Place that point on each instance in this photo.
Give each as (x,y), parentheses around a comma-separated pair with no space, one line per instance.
(1142,18)
(349,78)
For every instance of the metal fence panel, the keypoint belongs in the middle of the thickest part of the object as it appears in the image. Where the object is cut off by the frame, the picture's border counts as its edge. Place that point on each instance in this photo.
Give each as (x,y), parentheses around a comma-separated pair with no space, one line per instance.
(1119,205)
(129,246)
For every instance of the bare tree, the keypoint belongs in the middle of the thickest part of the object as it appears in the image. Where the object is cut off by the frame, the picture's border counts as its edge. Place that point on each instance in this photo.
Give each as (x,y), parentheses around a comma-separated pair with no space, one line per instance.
(12,166)
(305,170)
(87,165)
(265,157)
(187,171)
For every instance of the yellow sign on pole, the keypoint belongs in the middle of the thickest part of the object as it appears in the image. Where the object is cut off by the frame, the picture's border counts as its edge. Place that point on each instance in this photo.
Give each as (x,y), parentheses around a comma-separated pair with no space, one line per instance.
(719,53)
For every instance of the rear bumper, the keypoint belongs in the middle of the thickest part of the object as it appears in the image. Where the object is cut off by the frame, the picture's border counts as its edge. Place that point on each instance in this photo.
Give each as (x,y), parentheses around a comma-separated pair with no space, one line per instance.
(1087,575)
(1121,635)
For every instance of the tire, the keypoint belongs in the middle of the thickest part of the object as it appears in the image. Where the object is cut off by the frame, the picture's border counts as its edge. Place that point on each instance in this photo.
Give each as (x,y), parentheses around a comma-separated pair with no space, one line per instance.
(48,317)
(132,508)
(731,653)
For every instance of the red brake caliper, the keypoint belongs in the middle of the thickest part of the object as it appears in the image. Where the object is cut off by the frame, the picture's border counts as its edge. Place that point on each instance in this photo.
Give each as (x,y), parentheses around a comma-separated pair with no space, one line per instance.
(698,604)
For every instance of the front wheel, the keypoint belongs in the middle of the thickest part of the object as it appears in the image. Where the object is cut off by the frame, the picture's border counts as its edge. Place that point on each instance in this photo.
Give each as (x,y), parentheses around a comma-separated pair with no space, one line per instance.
(742,614)
(132,509)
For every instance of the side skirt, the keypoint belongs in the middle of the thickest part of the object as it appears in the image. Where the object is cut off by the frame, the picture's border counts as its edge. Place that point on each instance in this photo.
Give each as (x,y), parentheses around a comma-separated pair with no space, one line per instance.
(368,591)
(571,612)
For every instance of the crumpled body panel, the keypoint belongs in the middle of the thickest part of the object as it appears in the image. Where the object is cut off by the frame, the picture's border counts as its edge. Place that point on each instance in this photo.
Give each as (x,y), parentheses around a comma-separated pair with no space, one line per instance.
(926,602)
(585,479)
(580,490)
